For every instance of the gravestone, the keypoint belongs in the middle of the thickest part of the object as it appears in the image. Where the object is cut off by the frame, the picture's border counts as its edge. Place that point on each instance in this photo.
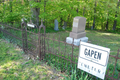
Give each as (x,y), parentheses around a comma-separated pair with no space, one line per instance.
(64,26)
(56,25)
(91,27)
(78,31)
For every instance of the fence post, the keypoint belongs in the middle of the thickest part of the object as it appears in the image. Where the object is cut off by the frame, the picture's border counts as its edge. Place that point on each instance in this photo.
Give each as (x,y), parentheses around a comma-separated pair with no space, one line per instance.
(41,44)
(0,30)
(24,36)
(72,50)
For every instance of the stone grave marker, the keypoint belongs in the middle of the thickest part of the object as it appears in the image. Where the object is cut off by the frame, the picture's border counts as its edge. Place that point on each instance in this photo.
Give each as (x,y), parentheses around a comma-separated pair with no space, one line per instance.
(56,25)
(64,26)
(78,31)
(91,27)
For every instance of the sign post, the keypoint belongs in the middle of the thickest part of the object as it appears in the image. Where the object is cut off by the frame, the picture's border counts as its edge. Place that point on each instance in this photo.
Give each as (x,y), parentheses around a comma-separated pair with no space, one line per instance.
(93,59)
(30,24)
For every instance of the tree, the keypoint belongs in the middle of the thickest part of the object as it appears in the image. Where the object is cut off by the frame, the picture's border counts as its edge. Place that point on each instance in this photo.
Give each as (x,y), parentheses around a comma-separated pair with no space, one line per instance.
(35,10)
(94,15)
(115,21)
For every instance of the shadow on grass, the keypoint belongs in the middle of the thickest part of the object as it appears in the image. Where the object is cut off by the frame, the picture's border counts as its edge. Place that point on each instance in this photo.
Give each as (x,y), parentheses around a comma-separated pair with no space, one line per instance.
(14,65)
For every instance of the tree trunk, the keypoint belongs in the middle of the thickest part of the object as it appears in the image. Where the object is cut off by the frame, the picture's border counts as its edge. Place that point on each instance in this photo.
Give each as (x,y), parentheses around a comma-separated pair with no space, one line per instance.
(106,25)
(10,5)
(3,8)
(83,11)
(87,25)
(114,24)
(68,20)
(102,25)
(94,16)
(11,10)
(35,15)
(77,10)
(35,19)
(61,21)
(115,21)
(44,9)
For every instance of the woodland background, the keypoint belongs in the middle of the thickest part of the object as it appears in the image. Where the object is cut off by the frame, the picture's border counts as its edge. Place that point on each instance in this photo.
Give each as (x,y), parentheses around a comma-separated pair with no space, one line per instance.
(100,14)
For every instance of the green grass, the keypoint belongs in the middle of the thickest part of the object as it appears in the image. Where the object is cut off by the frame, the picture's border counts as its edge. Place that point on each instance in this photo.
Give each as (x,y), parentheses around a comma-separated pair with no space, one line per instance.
(15,65)
(110,40)
(104,39)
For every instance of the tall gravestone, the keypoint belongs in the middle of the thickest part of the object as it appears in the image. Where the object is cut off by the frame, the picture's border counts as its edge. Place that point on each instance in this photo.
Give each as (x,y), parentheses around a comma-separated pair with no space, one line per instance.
(56,25)
(64,26)
(78,31)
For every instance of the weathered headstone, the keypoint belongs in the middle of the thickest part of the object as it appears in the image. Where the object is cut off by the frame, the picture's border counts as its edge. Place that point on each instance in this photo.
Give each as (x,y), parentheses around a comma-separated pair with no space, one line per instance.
(64,26)
(78,31)
(56,25)
(91,27)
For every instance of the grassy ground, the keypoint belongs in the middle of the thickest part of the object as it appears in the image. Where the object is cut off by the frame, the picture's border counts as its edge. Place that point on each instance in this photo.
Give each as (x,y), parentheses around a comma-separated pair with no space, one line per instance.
(15,65)
(110,40)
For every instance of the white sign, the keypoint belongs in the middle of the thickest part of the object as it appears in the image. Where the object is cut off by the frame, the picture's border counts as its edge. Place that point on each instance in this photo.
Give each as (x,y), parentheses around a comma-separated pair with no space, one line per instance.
(75,23)
(31,25)
(93,59)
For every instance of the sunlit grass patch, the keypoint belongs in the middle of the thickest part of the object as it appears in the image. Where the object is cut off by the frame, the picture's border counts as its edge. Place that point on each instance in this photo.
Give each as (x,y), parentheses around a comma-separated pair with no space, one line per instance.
(14,65)
(110,40)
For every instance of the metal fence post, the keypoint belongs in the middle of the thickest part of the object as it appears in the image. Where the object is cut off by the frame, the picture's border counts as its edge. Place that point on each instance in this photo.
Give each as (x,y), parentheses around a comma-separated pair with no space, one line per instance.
(41,42)
(24,36)
(39,45)
(0,30)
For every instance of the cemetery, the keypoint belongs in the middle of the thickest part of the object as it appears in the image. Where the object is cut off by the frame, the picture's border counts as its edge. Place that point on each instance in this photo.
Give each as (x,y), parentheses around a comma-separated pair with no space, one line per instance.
(65,40)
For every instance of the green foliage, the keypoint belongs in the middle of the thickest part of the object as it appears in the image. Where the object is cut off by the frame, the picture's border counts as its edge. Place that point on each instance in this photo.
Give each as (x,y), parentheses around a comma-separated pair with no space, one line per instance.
(63,10)
(111,69)
(14,11)
(1,34)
